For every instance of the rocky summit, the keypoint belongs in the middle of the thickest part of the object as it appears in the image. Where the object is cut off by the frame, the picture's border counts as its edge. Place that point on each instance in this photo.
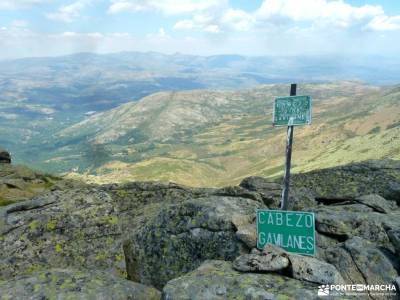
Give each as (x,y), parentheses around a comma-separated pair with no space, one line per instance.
(5,157)
(153,240)
(19,183)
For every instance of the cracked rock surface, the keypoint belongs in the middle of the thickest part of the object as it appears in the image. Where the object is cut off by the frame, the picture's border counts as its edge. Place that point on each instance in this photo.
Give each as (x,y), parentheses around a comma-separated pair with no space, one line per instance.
(271,259)
(198,243)
(84,227)
(180,237)
(73,284)
(275,259)
(217,280)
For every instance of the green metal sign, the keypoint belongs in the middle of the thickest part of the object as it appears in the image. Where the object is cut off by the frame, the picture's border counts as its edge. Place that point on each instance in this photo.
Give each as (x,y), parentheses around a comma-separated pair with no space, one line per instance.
(293,231)
(293,110)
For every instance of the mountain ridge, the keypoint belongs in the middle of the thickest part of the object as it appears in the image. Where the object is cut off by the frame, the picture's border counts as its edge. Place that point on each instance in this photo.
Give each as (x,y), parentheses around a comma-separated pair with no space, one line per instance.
(165,103)
(351,122)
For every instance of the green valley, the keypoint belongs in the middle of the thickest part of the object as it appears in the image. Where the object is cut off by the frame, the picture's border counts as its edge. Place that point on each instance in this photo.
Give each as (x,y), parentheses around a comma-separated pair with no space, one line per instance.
(195,120)
(216,138)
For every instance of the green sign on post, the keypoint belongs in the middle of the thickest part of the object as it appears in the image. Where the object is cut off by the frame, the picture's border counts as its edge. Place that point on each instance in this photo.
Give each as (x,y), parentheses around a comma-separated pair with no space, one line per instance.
(293,231)
(293,110)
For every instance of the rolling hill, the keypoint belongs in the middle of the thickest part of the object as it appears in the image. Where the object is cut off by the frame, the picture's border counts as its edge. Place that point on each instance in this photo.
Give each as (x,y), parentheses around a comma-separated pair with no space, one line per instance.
(197,120)
(216,138)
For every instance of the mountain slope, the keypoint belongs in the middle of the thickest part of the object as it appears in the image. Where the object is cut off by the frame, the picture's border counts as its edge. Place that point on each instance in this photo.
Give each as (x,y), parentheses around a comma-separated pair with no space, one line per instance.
(164,115)
(216,138)
(39,97)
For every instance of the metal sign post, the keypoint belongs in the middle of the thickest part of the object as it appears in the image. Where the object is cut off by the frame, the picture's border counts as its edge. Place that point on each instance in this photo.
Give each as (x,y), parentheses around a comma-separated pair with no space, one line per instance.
(288,160)
(293,231)
(290,111)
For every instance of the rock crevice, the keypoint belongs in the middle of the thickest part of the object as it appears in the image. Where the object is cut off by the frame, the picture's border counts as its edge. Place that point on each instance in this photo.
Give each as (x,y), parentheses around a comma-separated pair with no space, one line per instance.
(195,243)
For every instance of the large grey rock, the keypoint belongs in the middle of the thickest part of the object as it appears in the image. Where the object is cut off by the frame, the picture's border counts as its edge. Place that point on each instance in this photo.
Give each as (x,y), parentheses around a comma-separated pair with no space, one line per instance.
(339,222)
(313,270)
(74,228)
(380,177)
(179,237)
(397,283)
(245,229)
(217,280)
(269,260)
(377,203)
(362,262)
(394,236)
(299,197)
(74,284)
(80,225)
(305,268)
(269,190)
(344,263)
(238,191)
(18,183)
(323,241)
(374,265)
(172,229)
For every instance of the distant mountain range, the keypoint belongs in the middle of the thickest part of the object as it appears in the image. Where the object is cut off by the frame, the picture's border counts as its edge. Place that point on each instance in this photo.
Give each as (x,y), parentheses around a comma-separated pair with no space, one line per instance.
(85,82)
(191,119)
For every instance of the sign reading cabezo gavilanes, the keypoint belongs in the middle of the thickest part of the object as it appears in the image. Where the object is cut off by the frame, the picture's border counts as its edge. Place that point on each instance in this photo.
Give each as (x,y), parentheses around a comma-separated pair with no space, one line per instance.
(293,231)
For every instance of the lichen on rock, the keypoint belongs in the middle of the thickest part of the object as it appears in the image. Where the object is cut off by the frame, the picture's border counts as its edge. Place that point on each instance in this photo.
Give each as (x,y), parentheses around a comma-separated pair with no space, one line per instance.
(74,284)
(180,237)
(161,234)
(218,280)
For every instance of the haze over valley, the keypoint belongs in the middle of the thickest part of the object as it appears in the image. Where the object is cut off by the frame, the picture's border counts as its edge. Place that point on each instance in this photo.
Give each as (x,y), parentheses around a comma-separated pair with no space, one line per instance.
(192,119)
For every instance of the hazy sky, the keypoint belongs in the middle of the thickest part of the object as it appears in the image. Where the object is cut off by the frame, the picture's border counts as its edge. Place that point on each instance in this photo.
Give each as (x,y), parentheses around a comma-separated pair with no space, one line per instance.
(250,27)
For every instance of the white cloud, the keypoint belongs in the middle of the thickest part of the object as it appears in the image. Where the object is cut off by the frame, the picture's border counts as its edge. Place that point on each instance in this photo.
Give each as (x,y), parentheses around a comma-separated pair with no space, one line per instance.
(384,23)
(184,24)
(69,13)
(288,14)
(324,13)
(238,19)
(216,16)
(308,26)
(212,28)
(206,22)
(218,21)
(168,7)
(19,23)
(312,10)
(72,34)
(161,34)
(20,4)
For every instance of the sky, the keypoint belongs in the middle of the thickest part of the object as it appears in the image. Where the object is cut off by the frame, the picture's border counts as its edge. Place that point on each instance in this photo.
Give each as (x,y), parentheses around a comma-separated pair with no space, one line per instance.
(247,27)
